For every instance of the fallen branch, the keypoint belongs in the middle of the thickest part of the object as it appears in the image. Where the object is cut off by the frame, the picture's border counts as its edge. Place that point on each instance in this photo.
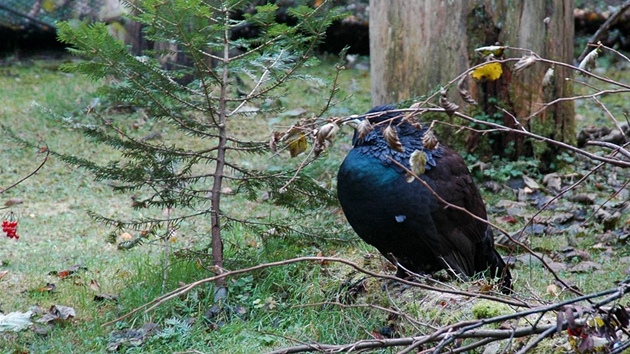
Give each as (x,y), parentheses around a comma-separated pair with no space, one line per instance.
(408,341)
(471,329)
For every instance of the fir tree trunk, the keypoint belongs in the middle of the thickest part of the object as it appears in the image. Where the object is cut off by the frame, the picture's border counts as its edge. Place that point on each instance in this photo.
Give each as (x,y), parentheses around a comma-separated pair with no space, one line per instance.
(217,240)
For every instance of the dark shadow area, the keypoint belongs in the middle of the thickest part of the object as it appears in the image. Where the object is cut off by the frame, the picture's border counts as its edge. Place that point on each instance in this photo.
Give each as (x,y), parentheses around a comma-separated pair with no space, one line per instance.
(29,41)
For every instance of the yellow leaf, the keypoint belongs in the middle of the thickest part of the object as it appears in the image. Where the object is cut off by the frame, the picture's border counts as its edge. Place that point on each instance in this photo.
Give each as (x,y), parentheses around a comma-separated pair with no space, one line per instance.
(417,162)
(490,71)
(49,5)
(298,144)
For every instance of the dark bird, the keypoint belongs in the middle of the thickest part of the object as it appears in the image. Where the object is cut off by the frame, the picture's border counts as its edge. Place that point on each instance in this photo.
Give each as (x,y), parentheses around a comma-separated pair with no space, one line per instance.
(403,219)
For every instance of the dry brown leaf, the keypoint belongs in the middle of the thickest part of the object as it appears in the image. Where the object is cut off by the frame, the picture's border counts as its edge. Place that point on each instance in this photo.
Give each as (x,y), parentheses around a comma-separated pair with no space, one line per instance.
(273,141)
(590,61)
(525,62)
(327,132)
(324,137)
(48,288)
(3,273)
(414,106)
(94,285)
(67,272)
(449,107)
(391,136)
(429,140)
(364,128)
(13,201)
(57,313)
(530,182)
(462,88)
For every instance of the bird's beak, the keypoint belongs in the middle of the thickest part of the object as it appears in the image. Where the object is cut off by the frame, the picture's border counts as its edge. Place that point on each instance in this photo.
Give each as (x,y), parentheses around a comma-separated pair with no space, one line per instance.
(354,123)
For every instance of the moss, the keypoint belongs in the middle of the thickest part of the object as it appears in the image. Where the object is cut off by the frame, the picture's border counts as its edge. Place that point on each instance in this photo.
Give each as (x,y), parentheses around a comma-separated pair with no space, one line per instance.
(489,309)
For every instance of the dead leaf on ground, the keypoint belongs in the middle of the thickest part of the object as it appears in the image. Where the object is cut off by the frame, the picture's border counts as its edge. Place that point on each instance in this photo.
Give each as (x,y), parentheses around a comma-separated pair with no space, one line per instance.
(585,267)
(556,218)
(553,290)
(94,285)
(57,313)
(557,266)
(531,183)
(553,182)
(570,253)
(510,219)
(131,337)
(3,273)
(67,272)
(48,288)
(13,201)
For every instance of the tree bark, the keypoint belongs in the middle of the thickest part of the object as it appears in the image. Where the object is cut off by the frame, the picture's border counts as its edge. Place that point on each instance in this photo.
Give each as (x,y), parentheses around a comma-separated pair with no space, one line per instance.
(416,46)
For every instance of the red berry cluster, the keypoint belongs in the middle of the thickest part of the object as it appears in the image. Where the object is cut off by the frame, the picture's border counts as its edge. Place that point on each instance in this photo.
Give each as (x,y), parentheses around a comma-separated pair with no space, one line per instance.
(9,226)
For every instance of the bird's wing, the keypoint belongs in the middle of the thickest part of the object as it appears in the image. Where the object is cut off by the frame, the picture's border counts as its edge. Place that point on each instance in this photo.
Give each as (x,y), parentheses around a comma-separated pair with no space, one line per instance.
(460,231)
(452,181)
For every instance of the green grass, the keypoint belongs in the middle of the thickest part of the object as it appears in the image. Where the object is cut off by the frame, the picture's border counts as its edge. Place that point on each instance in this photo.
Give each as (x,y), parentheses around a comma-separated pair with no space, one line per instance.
(270,308)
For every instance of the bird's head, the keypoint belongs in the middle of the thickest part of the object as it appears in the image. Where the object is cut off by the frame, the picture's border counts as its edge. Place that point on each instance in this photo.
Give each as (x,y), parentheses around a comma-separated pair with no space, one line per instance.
(365,123)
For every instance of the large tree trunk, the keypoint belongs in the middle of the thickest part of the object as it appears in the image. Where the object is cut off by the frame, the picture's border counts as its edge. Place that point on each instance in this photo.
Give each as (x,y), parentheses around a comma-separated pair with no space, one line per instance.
(416,46)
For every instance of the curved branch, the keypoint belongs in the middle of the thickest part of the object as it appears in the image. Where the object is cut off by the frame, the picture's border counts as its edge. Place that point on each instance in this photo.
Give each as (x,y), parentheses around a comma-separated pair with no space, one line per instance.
(45,148)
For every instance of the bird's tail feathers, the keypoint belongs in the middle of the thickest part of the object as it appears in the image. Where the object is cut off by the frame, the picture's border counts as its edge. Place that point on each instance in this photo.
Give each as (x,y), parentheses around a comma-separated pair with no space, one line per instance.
(487,254)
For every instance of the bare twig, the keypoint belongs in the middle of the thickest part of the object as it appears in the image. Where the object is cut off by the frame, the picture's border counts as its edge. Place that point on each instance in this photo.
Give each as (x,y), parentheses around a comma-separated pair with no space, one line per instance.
(44,148)
(617,148)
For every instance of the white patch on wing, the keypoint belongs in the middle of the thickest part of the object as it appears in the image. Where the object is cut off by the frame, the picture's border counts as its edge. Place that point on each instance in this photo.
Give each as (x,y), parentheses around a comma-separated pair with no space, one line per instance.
(400,218)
